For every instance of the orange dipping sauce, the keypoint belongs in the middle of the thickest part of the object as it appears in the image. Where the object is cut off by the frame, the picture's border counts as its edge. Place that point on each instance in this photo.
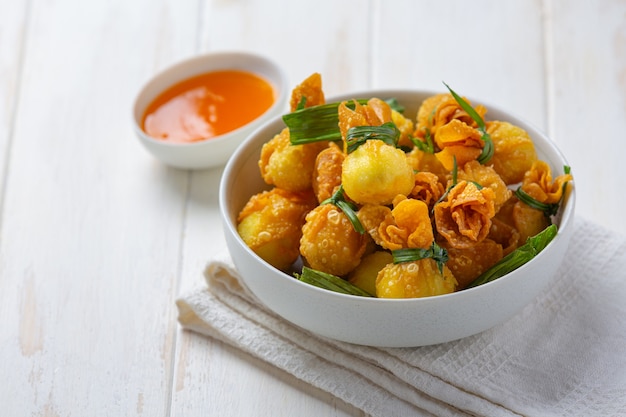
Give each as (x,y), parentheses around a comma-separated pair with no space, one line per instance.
(207,105)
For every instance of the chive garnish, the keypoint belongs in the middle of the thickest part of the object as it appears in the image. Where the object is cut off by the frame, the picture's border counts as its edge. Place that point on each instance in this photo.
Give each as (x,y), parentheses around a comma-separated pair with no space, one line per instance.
(302,103)
(358,135)
(548,210)
(339,201)
(329,282)
(488,148)
(393,103)
(436,252)
(518,257)
(320,123)
(428,146)
(315,123)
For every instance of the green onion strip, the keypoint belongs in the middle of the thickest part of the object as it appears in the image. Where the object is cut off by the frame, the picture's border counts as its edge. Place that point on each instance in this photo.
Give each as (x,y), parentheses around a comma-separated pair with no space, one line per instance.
(518,257)
(358,135)
(436,252)
(315,123)
(339,201)
(329,282)
(548,210)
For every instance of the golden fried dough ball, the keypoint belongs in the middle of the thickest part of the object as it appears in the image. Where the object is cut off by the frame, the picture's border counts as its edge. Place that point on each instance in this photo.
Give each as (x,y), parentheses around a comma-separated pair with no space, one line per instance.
(514,151)
(364,275)
(329,242)
(414,280)
(311,90)
(327,172)
(528,221)
(406,128)
(270,224)
(469,263)
(288,166)
(367,177)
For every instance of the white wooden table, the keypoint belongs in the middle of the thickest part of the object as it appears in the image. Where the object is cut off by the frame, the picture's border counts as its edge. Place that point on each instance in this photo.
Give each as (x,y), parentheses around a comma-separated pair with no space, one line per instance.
(97,239)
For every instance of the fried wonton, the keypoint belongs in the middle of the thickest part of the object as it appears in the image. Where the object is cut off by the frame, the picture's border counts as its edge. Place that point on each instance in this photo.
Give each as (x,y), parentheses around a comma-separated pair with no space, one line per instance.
(270,224)
(464,217)
(527,221)
(406,128)
(375,113)
(422,161)
(310,90)
(371,216)
(366,175)
(469,263)
(327,172)
(514,151)
(288,166)
(414,279)
(329,242)
(406,226)
(538,183)
(439,110)
(460,141)
(486,176)
(427,188)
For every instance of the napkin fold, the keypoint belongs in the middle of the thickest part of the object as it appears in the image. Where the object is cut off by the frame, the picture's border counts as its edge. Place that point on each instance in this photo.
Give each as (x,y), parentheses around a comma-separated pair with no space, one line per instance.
(562,355)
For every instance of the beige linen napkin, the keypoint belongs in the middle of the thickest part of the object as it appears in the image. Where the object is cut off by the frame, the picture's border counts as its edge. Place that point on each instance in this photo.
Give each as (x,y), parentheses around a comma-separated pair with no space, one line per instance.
(562,355)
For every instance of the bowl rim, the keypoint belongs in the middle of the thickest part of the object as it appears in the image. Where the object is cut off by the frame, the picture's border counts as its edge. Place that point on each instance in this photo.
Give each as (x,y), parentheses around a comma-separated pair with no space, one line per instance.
(279,85)
(566,214)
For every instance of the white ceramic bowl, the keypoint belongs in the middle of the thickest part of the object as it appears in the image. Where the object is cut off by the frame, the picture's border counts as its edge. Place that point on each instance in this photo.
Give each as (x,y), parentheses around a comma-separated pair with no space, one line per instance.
(214,151)
(387,322)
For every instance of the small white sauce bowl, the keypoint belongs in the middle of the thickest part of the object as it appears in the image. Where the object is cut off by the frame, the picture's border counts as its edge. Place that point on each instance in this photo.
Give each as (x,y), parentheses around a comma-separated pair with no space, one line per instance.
(215,151)
(377,321)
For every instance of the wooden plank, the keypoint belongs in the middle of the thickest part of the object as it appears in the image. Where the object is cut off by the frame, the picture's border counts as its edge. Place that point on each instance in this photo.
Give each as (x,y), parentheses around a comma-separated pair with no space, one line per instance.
(470,46)
(91,224)
(13,25)
(332,38)
(587,43)
(210,378)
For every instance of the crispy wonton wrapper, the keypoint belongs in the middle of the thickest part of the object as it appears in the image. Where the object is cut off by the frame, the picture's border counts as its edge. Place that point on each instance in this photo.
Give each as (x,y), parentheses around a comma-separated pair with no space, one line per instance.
(329,242)
(288,166)
(460,141)
(427,188)
(464,217)
(270,223)
(311,90)
(407,225)
(327,172)
(539,185)
(467,264)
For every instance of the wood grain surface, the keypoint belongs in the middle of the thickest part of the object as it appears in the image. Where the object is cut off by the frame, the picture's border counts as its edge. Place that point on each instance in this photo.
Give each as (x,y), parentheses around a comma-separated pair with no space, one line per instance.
(97,238)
